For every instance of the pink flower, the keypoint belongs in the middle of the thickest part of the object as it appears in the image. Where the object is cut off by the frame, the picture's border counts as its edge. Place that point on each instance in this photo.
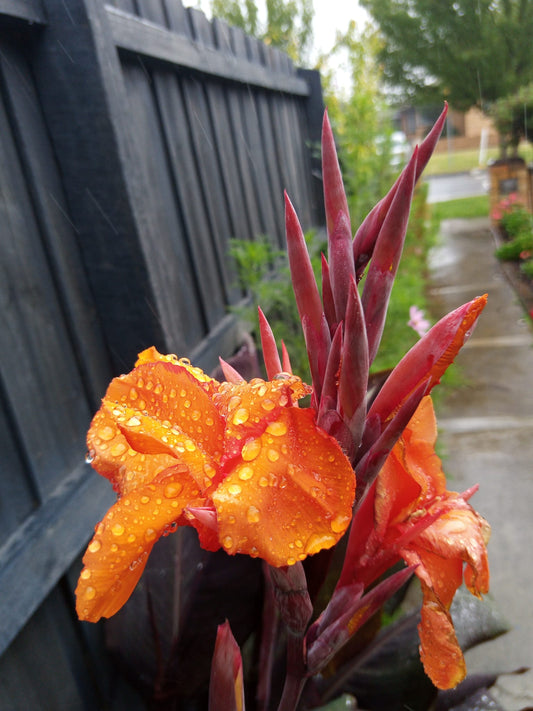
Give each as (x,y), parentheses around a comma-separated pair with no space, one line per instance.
(417,321)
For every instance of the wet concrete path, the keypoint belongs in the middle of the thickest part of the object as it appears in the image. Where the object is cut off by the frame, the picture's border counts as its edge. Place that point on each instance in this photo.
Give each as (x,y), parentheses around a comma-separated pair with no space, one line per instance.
(486,428)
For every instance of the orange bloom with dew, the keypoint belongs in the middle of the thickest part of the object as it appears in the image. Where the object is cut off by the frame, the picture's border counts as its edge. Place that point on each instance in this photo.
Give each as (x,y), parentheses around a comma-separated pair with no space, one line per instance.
(239,461)
(411,515)
(412,488)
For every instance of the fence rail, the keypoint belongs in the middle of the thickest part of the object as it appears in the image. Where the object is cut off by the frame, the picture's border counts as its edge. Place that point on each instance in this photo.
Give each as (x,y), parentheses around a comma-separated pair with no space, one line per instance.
(136,139)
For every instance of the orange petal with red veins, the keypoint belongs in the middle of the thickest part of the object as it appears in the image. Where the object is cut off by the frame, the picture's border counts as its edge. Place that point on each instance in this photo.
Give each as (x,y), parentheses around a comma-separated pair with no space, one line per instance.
(289,496)
(117,555)
(439,650)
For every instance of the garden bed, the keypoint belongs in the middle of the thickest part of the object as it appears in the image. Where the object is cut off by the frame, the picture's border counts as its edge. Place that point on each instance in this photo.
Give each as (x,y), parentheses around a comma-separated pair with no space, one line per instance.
(522,285)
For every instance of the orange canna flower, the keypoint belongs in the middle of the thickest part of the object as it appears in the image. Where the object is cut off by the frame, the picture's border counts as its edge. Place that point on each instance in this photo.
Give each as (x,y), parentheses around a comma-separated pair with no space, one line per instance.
(410,515)
(240,462)
(411,487)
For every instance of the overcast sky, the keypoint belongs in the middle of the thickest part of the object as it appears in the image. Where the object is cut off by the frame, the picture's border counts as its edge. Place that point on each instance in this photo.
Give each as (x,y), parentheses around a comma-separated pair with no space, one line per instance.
(330,16)
(333,15)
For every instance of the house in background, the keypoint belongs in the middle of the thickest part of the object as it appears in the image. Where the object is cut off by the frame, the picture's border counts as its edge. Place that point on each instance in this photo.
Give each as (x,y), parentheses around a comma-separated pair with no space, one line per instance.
(464,130)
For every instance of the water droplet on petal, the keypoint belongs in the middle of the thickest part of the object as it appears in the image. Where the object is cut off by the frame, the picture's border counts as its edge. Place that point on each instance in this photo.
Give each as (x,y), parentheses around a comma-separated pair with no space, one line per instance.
(340,523)
(133,422)
(209,470)
(117,529)
(253,514)
(227,542)
(263,482)
(131,538)
(150,534)
(246,473)
(241,416)
(291,561)
(90,593)
(106,433)
(85,574)
(268,404)
(173,490)
(234,402)
(234,489)
(89,457)
(317,542)
(251,450)
(94,546)
(118,449)
(272,455)
(278,429)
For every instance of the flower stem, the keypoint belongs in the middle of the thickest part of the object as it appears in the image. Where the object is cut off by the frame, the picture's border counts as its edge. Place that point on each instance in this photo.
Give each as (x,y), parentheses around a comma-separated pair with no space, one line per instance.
(296,676)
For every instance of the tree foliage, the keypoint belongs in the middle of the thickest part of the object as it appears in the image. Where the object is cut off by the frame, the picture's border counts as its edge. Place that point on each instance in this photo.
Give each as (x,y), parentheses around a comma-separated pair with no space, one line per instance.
(472,52)
(288,23)
(513,117)
(358,113)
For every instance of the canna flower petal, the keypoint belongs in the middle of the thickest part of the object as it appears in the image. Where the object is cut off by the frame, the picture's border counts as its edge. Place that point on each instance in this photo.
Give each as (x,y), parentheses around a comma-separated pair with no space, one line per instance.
(181,448)
(118,552)
(288,496)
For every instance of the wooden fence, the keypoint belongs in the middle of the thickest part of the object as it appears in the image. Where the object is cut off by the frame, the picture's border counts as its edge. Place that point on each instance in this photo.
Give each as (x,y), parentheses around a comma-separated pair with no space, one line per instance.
(135,140)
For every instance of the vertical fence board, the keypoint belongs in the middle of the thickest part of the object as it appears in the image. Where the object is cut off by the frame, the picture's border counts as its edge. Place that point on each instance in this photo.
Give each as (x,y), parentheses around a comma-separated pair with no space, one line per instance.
(38,366)
(56,227)
(17,498)
(53,676)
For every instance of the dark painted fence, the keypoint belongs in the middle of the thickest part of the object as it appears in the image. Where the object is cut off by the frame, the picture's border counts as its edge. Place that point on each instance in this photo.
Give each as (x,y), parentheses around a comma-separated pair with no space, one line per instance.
(135,140)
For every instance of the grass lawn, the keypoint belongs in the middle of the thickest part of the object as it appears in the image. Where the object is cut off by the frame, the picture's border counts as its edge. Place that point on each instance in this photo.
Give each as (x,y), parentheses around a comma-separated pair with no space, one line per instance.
(462,207)
(463,161)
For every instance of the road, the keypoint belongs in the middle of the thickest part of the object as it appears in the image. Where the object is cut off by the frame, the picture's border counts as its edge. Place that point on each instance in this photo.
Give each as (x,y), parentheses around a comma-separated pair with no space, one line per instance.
(458,185)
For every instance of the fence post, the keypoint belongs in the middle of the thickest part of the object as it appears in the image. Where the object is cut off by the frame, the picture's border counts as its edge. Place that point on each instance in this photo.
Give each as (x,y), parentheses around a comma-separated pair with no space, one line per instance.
(80,84)
(314,110)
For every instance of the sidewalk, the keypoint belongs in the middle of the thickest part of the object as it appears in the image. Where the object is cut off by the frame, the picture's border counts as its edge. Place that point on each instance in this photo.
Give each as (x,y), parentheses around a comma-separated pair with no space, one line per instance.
(486,428)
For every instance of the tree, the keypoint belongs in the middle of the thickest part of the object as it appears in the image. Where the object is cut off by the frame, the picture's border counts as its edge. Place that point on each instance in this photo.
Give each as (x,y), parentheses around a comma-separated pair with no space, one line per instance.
(470,52)
(360,116)
(513,117)
(288,24)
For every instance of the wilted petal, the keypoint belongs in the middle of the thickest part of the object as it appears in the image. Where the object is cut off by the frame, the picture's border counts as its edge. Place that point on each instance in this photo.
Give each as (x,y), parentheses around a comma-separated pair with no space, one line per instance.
(439,649)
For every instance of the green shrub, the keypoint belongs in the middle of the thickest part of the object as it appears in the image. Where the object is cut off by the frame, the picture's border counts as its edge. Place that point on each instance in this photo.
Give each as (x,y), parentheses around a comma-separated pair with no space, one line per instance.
(513,249)
(516,221)
(527,268)
(264,275)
